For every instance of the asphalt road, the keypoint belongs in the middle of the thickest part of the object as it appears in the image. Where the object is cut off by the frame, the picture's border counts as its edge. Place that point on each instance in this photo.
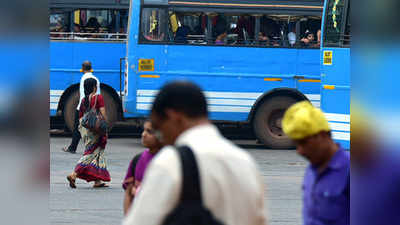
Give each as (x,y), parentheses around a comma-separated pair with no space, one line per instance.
(282,171)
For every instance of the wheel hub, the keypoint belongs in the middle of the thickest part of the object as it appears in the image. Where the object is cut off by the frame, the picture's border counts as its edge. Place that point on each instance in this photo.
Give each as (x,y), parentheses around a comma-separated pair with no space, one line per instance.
(275,123)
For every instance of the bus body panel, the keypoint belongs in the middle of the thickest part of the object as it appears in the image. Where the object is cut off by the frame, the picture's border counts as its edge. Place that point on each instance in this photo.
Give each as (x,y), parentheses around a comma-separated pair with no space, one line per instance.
(235,83)
(66,60)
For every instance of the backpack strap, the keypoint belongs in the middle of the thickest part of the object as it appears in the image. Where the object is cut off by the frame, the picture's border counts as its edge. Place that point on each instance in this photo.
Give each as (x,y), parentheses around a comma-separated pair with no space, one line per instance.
(191,190)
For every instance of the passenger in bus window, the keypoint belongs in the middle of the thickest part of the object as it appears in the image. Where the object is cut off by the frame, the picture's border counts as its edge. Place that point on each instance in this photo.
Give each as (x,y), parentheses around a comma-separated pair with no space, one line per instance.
(77,30)
(61,32)
(275,41)
(308,40)
(292,37)
(318,43)
(221,38)
(263,39)
(182,31)
(93,26)
(153,34)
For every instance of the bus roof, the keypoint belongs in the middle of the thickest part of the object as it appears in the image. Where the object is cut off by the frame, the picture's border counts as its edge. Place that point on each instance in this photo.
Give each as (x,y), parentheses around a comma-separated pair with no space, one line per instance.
(90,4)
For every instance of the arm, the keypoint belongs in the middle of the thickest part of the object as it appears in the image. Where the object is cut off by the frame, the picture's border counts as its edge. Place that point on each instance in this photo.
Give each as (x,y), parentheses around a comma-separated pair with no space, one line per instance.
(101,106)
(163,171)
(128,198)
(103,112)
(81,92)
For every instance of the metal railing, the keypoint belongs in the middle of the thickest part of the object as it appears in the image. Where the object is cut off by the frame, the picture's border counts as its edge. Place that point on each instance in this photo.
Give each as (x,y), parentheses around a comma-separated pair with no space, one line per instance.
(88,36)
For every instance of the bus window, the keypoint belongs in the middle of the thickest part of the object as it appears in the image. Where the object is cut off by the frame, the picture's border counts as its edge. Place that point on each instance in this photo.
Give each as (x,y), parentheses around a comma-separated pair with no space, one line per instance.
(334,24)
(93,22)
(123,24)
(85,24)
(59,25)
(187,27)
(233,29)
(347,34)
(271,31)
(310,32)
(153,25)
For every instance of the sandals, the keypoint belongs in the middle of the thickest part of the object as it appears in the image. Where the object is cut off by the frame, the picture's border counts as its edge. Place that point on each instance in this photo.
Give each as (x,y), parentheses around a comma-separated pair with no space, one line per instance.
(66,149)
(100,185)
(71,181)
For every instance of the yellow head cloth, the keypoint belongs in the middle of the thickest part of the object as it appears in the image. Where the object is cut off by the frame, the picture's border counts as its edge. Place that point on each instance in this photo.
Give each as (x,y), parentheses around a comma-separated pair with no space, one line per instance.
(302,120)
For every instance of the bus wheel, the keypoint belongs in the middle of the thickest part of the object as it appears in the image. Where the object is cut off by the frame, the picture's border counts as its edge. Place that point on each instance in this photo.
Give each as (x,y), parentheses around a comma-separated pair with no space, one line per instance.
(267,123)
(111,107)
(70,108)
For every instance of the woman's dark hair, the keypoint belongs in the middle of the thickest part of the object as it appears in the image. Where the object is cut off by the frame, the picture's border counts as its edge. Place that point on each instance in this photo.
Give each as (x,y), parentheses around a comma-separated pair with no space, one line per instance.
(89,85)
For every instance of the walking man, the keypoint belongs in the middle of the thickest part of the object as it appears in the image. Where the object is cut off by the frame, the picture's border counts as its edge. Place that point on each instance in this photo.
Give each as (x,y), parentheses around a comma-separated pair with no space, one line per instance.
(76,136)
(230,184)
(326,186)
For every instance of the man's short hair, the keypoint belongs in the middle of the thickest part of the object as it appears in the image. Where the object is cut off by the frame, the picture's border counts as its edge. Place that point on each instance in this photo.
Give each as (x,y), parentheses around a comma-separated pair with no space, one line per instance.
(181,96)
(86,66)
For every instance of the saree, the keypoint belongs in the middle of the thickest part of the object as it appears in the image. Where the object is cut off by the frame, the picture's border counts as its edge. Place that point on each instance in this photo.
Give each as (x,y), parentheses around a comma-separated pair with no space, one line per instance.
(92,165)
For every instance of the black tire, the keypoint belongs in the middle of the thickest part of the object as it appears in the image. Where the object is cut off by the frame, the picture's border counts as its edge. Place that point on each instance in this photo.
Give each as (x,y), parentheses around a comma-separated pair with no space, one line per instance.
(111,107)
(267,122)
(73,100)
(70,108)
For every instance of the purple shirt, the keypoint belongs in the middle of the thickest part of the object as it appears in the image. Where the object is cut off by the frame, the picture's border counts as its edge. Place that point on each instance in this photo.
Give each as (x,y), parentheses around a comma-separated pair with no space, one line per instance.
(129,178)
(142,165)
(326,198)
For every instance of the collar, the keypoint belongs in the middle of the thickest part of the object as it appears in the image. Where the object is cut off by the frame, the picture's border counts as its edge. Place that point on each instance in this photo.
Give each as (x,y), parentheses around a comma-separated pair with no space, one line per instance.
(339,159)
(196,132)
(88,73)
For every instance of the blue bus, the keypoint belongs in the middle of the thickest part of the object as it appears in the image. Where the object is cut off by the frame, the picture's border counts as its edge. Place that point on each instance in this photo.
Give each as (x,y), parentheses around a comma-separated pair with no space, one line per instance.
(252,58)
(81,30)
(335,64)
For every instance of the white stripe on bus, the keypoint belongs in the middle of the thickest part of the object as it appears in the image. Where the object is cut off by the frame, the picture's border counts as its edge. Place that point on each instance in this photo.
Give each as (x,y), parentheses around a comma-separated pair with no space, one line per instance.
(212,101)
(211,108)
(340,126)
(233,102)
(54,99)
(53,106)
(341,136)
(56,92)
(220,94)
(336,117)
(313,97)
(316,104)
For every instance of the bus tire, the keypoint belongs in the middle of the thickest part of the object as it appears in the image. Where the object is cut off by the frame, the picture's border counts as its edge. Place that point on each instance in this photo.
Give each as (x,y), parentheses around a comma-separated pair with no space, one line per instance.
(267,122)
(69,109)
(72,103)
(111,107)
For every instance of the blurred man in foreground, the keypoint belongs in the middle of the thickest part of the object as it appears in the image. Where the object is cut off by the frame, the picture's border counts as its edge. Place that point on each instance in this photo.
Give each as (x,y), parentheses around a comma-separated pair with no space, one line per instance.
(230,184)
(375,174)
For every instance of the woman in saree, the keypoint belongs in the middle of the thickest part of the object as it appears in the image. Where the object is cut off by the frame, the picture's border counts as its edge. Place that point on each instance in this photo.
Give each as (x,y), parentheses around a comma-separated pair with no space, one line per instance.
(92,165)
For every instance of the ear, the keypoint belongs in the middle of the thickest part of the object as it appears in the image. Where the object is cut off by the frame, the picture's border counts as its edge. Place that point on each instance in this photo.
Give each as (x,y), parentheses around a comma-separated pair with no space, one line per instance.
(173,115)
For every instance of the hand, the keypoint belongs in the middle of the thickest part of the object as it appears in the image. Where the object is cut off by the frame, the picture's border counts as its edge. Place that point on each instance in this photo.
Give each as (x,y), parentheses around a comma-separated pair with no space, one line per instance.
(133,191)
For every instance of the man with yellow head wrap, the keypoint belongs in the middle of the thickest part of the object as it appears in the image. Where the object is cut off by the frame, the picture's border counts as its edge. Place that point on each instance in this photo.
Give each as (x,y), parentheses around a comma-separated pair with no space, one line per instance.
(326,182)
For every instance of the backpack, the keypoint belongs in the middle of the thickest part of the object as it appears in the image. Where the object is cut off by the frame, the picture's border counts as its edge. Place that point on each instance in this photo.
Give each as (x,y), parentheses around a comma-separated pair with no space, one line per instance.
(190,209)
